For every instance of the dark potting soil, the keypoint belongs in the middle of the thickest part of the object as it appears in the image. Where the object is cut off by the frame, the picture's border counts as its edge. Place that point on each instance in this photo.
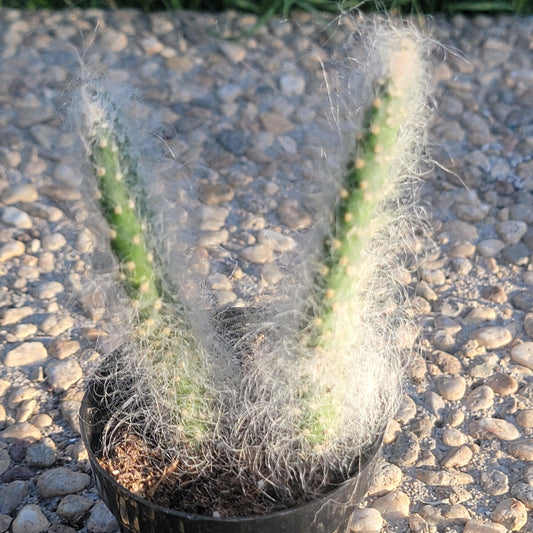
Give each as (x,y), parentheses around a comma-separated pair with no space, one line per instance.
(146,472)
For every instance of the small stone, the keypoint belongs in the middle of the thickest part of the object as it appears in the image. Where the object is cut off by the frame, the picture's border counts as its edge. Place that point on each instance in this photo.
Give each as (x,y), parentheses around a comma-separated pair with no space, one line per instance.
(433,277)
(448,363)
(85,242)
(55,325)
(510,513)
(12,494)
(523,354)
(294,217)
(461,265)
(493,428)
(74,507)
(490,247)
(48,290)
(30,519)
(258,253)
(511,231)
(525,418)
(494,294)
(417,524)
(276,240)
(459,230)
(17,218)
(522,449)
(452,388)
(494,482)
(292,84)
(443,478)
(70,412)
(365,521)
(5,522)
(480,314)
(425,291)
(215,193)
(212,217)
(61,481)
(19,193)
(516,254)
(523,301)
(453,437)
(63,348)
(404,451)
(475,526)
(27,353)
(524,493)
(14,315)
(101,520)
(23,431)
(271,274)
(44,211)
(53,242)
(434,403)
(393,506)
(61,375)
(11,250)
(40,455)
(492,336)
(480,398)
(392,431)
(233,141)
(502,384)
(528,325)
(457,457)
(46,262)
(234,52)
(386,477)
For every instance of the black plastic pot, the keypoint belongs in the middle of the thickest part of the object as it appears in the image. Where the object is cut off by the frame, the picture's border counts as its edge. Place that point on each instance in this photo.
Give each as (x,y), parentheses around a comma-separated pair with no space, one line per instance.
(327,514)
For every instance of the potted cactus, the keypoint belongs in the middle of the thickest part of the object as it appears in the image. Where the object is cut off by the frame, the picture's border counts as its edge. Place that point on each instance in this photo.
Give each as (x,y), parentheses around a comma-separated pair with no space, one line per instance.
(219,421)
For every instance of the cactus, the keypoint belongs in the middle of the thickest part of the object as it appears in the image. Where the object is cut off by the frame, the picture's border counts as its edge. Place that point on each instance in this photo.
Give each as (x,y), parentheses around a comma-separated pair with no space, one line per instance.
(368,190)
(162,331)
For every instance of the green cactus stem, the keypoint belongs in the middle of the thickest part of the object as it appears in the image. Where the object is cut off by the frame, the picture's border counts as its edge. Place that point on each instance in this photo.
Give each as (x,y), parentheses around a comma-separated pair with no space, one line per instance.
(127,232)
(370,181)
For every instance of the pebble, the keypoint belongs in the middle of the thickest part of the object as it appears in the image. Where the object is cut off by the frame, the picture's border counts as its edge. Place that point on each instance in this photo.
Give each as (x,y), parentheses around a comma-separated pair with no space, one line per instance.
(365,521)
(19,193)
(12,494)
(510,513)
(292,84)
(522,449)
(233,51)
(44,211)
(453,437)
(443,478)
(457,457)
(451,388)
(448,363)
(5,522)
(524,493)
(74,507)
(27,353)
(48,290)
(494,482)
(23,431)
(479,315)
(480,398)
(516,254)
(490,247)
(494,293)
(61,481)
(475,526)
(493,428)
(258,253)
(30,519)
(404,451)
(41,455)
(502,384)
(61,375)
(445,515)
(54,325)
(276,240)
(14,315)
(101,520)
(215,193)
(523,301)
(511,231)
(417,524)
(492,336)
(63,348)
(523,354)
(393,506)
(294,217)
(53,242)
(459,230)
(525,418)
(16,218)
(528,325)
(69,411)
(386,478)
(11,250)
